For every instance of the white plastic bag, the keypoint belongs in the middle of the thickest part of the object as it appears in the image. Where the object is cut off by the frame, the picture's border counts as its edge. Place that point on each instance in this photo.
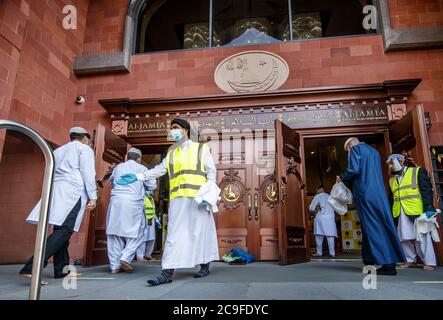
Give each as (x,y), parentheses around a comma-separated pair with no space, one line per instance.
(339,198)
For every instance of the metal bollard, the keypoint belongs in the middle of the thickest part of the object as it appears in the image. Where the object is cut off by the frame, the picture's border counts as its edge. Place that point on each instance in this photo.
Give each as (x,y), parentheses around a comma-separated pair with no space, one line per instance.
(40,241)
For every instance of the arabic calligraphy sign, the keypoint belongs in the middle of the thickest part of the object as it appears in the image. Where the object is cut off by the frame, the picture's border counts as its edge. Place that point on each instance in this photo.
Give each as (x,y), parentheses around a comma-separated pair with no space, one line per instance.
(356,115)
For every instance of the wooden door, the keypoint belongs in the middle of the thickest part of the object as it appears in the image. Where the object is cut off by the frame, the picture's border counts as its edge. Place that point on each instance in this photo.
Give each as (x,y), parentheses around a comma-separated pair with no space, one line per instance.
(293,234)
(109,149)
(409,134)
(265,197)
(235,207)
(246,176)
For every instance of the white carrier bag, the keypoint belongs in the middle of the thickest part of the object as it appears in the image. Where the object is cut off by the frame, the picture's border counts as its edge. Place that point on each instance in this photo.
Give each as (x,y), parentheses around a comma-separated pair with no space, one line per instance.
(340,197)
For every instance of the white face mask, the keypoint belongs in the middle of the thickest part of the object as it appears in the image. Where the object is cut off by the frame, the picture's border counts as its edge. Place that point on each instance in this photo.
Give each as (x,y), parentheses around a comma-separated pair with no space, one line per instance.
(176,134)
(396,167)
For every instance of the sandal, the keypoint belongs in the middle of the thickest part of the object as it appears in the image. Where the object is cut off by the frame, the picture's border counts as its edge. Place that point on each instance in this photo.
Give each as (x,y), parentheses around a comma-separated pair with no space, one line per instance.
(29,276)
(126,266)
(407,265)
(428,268)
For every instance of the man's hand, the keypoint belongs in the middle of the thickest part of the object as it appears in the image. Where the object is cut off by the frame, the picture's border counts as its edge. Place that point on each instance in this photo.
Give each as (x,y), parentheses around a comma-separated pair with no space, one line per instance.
(91,204)
(338,180)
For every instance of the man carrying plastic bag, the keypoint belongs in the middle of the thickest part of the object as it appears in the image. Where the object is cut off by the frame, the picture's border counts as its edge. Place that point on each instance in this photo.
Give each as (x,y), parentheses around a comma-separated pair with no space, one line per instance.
(380,242)
(340,197)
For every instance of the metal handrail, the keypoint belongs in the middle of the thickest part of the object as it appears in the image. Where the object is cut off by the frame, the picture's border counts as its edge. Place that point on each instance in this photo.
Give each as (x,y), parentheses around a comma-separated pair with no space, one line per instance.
(40,239)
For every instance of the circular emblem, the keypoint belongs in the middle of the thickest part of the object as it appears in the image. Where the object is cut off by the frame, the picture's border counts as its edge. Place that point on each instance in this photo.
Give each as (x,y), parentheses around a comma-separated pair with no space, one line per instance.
(271,192)
(231,193)
(251,71)
(232,189)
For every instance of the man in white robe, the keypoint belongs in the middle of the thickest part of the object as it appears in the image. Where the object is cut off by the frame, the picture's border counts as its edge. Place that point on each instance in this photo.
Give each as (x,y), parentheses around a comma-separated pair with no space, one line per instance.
(399,167)
(324,222)
(125,221)
(73,190)
(144,251)
(192,237)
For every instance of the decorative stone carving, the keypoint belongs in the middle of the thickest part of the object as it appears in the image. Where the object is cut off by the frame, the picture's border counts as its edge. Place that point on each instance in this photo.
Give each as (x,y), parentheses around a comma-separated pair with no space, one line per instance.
(396,111)
(119,127)
(251,71)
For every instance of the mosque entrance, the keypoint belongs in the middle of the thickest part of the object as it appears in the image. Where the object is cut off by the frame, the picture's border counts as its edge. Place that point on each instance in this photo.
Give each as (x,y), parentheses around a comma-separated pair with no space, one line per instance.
(258,209)
(325,159)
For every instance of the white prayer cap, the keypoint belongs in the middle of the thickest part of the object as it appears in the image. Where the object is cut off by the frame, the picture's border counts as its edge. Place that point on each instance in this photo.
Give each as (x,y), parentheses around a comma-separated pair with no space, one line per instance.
(395,156)
(78,130)
(348,141)
(136,151)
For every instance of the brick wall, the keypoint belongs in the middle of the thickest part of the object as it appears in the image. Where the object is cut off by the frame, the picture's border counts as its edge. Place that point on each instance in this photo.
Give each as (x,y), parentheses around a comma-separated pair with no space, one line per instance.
(13,18)
(416,13)
(45,86)
(21,173)
(38,88)
(105,26)
(314,63)
(323,62)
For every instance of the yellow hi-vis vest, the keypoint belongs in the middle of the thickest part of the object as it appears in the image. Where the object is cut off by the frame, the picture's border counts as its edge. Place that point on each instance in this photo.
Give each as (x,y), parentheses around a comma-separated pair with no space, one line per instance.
(186,171)
(149,208)
(407,194)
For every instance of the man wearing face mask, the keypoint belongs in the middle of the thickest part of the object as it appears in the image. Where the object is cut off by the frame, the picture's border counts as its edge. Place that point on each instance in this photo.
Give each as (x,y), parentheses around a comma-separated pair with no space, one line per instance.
(380,242)
(74,190)
(192,238)
(411,192)
(125,221)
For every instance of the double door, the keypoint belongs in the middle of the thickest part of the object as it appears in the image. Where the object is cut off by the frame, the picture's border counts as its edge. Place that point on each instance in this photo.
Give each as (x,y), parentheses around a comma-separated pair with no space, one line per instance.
(261,207)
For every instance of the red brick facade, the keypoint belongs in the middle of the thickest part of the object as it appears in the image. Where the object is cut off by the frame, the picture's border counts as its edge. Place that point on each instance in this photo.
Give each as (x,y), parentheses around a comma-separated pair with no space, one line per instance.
(38,86)
(416,13)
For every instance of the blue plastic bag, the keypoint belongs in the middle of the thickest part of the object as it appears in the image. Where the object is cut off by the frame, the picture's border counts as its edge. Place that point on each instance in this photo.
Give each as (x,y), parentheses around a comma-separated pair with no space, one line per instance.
(237,252)
(126,179)
(430,214)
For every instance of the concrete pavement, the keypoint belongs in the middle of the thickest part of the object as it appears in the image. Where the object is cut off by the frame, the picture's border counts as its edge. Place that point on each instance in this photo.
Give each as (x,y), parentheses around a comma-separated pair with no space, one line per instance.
(318,279)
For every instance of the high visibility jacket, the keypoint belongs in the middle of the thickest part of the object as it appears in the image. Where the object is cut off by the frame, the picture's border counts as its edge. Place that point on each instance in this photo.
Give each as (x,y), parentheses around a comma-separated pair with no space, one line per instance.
(407,194)
(149,208)
(186,171)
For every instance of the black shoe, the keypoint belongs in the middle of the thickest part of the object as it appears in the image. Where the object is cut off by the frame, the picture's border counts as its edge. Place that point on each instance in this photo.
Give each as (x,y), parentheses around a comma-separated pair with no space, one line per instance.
(201,274)
(161,279)
(204,271)
(387,271)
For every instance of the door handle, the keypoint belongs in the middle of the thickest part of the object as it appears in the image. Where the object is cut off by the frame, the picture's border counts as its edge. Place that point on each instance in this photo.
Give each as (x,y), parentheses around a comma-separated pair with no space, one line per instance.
(249,207)
(256,206)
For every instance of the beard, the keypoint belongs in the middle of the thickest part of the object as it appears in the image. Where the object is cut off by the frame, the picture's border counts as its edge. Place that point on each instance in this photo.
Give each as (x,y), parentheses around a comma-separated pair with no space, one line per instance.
(396,173)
